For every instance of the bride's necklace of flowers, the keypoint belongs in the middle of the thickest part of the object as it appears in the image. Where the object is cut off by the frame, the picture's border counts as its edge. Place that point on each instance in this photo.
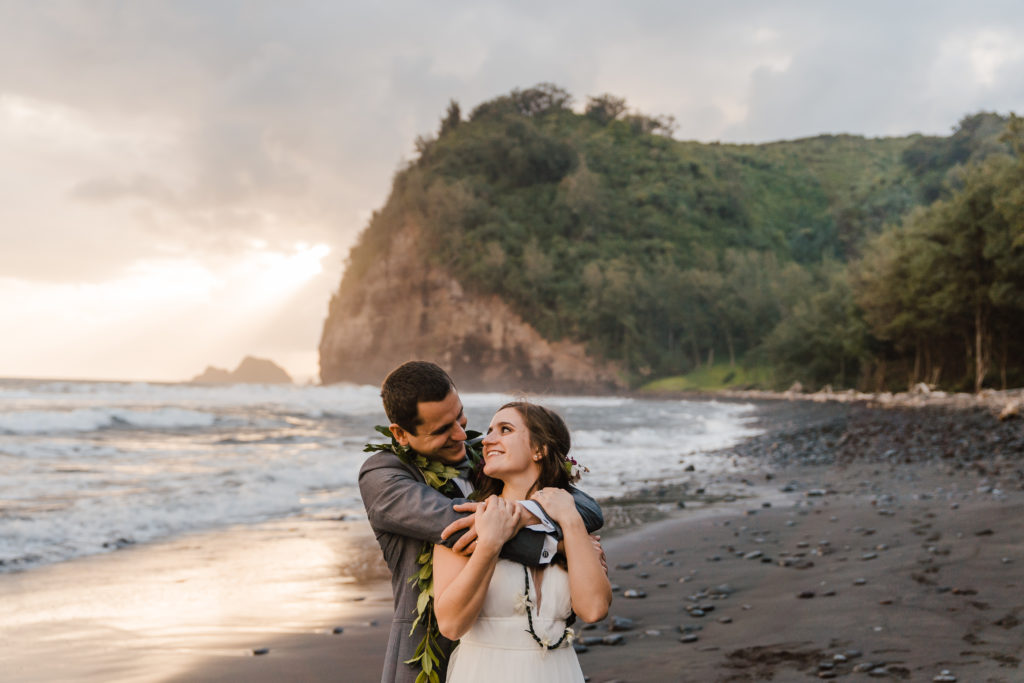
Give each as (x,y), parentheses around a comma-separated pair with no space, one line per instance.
(438,476)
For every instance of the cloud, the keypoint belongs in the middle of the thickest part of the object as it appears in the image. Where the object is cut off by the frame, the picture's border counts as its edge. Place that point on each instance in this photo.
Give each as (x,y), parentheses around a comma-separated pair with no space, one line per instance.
(134,133)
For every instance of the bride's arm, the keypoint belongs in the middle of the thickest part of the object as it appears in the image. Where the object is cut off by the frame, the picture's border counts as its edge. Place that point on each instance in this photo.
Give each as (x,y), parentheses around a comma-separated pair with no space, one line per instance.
(460,584)
(589,588)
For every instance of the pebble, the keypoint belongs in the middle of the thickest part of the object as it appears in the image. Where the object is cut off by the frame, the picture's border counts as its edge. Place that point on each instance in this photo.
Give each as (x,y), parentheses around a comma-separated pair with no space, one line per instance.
(944,676)
(869,556)
(580,647)
(652,632)
(753,555)
(827,674)
(644,575)
(613,639)
(860,582)
(621,624)
(725,620)
(688,638)
(261,651)
(864,667)
(338,630)
(625,565)
(591,640)
(806,595)
(634,593)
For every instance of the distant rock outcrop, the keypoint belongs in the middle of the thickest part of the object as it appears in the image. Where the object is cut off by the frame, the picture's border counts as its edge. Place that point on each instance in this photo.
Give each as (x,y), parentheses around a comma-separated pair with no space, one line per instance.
(249,371)
(405,309)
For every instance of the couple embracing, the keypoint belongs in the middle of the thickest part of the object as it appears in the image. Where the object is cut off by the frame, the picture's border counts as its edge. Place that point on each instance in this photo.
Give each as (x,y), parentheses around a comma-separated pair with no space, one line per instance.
(503,544)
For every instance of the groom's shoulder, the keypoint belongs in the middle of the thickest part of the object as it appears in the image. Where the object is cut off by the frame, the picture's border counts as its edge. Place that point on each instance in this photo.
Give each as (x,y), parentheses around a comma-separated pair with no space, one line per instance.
(382,460)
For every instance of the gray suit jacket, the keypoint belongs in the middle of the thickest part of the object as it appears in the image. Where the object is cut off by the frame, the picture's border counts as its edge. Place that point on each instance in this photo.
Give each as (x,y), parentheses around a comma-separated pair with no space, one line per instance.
(404,512)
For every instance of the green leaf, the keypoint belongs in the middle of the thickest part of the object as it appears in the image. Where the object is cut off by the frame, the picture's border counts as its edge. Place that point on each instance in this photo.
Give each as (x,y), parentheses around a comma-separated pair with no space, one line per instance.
(422,600)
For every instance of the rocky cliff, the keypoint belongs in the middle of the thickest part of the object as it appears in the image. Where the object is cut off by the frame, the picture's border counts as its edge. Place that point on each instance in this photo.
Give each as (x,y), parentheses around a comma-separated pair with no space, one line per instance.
(405,309)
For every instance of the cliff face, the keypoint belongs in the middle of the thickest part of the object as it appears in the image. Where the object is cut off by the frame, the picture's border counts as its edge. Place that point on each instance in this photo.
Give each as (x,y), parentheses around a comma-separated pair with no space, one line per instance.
(404,309)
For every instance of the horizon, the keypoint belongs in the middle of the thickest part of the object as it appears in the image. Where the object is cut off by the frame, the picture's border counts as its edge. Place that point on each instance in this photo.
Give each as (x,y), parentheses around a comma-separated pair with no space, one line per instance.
(170,209)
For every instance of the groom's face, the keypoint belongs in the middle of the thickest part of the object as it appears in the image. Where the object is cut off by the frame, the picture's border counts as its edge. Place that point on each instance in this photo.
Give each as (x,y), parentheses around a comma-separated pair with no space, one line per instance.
(441,434)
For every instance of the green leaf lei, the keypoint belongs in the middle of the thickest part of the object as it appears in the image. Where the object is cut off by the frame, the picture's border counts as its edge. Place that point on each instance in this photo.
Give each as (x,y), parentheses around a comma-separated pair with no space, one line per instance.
(438,476)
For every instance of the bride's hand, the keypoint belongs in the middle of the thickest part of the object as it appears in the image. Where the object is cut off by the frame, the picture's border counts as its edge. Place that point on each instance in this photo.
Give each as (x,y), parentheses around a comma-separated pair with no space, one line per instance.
(558,503)
(496,521)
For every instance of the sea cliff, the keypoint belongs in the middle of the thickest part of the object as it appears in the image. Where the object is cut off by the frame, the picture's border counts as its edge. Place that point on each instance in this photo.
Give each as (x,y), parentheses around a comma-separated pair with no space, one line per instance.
(404,308)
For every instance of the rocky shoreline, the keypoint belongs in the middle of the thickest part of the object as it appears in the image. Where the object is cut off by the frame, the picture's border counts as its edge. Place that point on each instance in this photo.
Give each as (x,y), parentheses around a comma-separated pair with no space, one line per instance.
(869,539)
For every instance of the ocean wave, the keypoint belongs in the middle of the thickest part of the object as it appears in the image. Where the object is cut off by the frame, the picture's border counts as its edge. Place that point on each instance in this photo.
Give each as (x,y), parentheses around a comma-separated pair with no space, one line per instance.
(94,419)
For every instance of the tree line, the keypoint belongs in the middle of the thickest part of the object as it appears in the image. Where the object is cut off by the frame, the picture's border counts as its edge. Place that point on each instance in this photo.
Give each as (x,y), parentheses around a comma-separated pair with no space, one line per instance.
(870,263)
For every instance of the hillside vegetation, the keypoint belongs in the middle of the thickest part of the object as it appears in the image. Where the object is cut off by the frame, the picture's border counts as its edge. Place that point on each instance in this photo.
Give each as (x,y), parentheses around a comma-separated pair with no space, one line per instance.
(834,259)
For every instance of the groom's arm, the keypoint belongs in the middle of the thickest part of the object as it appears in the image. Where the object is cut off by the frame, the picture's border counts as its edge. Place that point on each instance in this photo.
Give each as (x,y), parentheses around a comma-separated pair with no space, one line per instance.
(535,548)
(397,502)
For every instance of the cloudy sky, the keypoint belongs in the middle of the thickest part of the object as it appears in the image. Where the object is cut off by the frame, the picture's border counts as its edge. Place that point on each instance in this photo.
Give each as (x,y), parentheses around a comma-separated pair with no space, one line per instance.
(180,181)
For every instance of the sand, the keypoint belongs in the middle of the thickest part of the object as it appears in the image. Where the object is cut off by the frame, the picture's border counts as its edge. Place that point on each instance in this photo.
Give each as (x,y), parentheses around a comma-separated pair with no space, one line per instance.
(861,565)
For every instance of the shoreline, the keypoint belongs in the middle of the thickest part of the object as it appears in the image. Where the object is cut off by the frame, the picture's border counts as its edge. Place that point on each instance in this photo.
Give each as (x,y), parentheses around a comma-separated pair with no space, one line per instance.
(935,494)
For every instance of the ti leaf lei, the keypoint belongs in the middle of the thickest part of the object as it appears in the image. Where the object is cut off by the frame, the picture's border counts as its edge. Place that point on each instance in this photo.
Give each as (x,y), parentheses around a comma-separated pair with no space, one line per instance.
(438,476)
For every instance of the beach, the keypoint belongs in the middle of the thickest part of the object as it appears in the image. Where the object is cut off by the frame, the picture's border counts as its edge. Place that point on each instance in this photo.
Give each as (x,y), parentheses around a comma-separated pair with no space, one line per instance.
(851,541)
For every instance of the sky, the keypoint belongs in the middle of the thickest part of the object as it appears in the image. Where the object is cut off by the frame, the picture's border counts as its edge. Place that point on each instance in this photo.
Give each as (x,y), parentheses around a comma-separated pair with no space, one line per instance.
(180,181)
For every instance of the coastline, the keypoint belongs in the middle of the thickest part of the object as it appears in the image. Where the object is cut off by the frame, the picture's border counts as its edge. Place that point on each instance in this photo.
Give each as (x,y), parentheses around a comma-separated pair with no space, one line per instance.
(933,494)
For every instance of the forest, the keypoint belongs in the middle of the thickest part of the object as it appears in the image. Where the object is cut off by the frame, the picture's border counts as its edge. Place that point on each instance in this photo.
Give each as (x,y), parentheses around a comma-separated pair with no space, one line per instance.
(834,260)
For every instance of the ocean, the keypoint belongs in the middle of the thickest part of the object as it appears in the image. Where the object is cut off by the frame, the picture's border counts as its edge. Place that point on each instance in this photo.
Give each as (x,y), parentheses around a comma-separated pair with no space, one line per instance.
(89,467)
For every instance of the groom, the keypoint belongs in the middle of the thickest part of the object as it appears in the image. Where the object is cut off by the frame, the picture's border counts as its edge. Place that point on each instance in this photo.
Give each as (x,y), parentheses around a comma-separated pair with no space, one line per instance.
(426,415)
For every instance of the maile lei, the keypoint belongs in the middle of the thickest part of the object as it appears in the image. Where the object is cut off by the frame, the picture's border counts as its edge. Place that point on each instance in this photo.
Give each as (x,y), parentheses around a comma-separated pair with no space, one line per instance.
(438,476)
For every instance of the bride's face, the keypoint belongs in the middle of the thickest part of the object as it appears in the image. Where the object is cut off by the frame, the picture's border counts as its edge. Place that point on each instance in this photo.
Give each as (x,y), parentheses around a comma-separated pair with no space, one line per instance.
(507,450)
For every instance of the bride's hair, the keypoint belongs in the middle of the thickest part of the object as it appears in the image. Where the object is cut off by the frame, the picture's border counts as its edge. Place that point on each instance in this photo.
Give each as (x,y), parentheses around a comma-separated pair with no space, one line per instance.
(550,436)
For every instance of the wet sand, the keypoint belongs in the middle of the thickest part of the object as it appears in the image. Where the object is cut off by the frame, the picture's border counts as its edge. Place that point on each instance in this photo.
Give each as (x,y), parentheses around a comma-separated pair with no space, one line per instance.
(857,543)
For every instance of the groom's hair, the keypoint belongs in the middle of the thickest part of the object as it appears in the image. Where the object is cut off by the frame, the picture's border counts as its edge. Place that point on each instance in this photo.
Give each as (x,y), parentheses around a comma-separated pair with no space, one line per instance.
(408,385)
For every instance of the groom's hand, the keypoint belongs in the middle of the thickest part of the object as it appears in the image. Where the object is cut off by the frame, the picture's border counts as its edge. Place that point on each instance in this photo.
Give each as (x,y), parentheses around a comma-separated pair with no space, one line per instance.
(467,543)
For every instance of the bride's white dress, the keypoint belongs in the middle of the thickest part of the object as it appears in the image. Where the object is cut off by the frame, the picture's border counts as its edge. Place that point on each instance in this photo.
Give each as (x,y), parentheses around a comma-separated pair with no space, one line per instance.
(498,648)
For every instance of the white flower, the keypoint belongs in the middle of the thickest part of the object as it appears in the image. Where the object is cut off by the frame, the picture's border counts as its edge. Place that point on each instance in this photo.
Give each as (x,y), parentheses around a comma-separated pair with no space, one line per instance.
(545,642)
(570,635)
(522,602)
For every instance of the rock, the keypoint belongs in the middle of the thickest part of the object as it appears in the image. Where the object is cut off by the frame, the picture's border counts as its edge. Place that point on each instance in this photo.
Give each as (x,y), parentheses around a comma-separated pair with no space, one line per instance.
(869,556)
(580,647)
(753,555)
(621,624)
(625,565)
(643,575)
(1009,411)
(945,677)
(591,640)
(249,371)
(652,632)
(633,593)
(338,630)
(261,651)
(613,639)
(806,595)
(689,638)
(725,620)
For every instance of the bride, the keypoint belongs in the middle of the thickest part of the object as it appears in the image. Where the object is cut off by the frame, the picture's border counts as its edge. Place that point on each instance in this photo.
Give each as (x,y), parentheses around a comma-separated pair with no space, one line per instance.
(512,621)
